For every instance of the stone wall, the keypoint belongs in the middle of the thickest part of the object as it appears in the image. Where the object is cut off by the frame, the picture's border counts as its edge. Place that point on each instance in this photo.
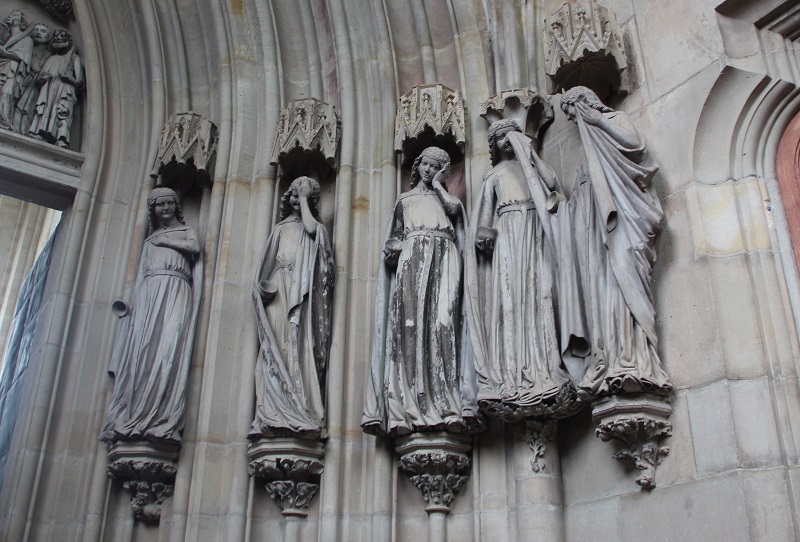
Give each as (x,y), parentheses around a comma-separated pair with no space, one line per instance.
(710,92)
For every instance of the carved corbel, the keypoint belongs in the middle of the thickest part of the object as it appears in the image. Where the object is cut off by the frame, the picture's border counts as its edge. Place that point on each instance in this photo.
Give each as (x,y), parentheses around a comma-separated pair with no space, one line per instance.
(437,465)
(147,471)
(584,47)
(186,151)
(306,139)
(430,115)
(531,111)
(640,424)
(291,468)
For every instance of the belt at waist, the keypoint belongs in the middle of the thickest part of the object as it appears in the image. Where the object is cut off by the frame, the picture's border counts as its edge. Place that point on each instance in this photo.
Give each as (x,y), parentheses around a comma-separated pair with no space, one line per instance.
(169,272)
(429,233)
(508,207)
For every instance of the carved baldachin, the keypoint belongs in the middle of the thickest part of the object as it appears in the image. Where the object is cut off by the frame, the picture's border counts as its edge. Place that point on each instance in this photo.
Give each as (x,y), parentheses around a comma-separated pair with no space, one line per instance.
(531,111)
(186,139)
(430,115)
(308,125)
(583,46)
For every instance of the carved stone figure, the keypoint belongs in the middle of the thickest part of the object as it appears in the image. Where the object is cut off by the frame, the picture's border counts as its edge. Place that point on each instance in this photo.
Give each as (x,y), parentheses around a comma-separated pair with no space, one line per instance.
(422,380)
(60,78)
(517,274)
(15,61)
(152,354)
(26,104)
(617,215)
(293,296)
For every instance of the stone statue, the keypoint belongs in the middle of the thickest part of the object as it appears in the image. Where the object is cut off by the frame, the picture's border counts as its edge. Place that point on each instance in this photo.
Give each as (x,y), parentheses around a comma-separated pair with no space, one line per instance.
(520,282)
(293,297)
(152,354)
(422,379)
(15,61)
(59,80)
(617,215)
(26,104)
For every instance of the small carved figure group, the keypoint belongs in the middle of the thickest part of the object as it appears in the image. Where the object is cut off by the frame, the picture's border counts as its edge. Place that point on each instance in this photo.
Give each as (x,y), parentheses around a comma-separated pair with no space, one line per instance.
(40,76)
(543,279)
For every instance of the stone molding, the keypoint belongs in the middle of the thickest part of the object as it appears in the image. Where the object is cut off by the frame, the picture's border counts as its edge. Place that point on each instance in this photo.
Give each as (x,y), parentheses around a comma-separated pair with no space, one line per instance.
(37,171)
(147,471)
(309,125)
(291,467)
(430,112)
(437,465)
(584,47)
(639,423)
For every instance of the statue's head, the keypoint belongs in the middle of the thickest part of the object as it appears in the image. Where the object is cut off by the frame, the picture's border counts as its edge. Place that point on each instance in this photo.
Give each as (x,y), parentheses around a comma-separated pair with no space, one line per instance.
(61,41)
(300,184)
(16,18)
(40,33)
(584,95)
(431,153)
(496,131)
(155,195)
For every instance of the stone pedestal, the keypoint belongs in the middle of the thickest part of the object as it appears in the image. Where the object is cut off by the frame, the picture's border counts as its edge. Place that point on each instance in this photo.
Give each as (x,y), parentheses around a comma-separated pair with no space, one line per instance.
(147,471)
(291,468)
(639,422)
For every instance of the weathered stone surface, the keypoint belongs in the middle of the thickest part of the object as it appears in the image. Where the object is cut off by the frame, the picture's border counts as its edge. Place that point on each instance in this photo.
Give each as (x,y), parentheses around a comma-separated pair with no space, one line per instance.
(712,428)
(708,117)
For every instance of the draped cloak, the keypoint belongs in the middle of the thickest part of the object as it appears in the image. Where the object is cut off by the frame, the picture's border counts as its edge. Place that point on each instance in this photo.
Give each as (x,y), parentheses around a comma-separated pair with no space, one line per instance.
(52,119)
(617,218)
(13,73)
(153,349)
(294,332)
(422,374)
(523,305)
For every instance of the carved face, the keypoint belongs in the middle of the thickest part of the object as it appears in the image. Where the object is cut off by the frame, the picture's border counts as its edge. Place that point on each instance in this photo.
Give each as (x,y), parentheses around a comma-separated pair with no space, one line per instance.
(164,208)
(294,199)
(40,34)
(61,41)
(14,18)
(428,168)
(503,144)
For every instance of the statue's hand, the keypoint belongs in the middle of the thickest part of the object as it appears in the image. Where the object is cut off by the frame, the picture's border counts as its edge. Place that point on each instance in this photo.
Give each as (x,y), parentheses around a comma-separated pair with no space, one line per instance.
(440,177)
(590,114)
(485,238)
(267,289)
(158,241)
(304,189)
(391,251)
